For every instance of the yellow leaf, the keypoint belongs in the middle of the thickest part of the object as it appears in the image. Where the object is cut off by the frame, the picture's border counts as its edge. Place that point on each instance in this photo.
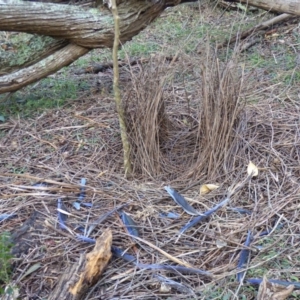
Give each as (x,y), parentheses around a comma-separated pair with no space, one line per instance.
(252,169)
(207,188)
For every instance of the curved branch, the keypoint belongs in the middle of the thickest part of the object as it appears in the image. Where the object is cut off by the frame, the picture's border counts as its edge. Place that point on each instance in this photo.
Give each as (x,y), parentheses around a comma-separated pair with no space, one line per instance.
(45,67)
(93,28)
(12,63)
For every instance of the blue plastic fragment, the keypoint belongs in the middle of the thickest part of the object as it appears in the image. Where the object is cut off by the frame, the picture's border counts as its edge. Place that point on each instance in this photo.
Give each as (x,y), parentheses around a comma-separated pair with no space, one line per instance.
(87,204)
(179,199)
(82,189)
(130,224)
(258,281)
(170,215)
(61,216)
(266,232)
(81,196)
(7,216)
(86,239)
(76,205)
(121,253)
(205,215)
(80,228)
(192,223)
(241,210)
(244,257)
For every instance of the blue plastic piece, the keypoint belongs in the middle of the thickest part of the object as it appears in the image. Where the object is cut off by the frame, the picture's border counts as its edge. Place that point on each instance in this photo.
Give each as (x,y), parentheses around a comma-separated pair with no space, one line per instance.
(244,257)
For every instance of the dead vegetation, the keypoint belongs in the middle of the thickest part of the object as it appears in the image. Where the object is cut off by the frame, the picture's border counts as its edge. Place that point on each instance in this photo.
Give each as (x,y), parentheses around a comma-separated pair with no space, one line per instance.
(179,134)
(190,121)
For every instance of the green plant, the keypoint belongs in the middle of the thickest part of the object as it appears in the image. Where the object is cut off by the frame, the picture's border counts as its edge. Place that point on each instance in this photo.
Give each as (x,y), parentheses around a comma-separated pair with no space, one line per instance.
(5,259)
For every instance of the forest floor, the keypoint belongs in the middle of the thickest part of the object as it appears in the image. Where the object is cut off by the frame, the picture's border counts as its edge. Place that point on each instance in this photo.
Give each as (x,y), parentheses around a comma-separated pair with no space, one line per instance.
(196,116)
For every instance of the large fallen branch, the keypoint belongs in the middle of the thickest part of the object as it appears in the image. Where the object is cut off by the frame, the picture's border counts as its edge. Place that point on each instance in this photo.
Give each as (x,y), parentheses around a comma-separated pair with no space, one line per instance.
(84,29)
(93,28)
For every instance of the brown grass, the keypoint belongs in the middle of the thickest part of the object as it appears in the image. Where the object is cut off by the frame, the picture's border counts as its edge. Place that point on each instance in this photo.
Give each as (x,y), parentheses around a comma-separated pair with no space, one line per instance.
(201,128)
(147,121)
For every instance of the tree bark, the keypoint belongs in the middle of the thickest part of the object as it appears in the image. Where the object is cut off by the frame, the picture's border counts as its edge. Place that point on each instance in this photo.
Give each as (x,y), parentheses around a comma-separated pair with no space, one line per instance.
(10,60)
(282,6)
(41,69)
(93,28)
(83,29)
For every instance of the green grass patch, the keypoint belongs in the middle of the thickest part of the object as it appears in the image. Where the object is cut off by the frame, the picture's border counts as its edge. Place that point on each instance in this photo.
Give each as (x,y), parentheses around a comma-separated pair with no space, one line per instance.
(49,93)
(5,260)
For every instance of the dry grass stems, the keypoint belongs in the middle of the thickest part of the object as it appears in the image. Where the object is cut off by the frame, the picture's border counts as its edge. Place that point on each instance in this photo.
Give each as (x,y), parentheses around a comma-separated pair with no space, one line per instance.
(147,121)
(220,117)
(191,135)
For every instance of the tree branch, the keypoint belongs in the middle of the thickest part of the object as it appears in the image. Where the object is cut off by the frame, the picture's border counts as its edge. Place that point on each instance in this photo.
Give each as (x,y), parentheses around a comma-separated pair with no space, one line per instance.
(45,67)
(93,28)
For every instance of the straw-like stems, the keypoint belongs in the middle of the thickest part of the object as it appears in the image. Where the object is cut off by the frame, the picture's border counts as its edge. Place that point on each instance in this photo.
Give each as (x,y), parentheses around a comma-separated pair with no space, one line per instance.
(146,119)
(219,116)
(120,110)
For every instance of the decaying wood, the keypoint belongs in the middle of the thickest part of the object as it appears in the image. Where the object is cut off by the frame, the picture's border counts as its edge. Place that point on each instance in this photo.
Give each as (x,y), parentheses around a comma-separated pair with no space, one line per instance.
(271,291)
(78,278)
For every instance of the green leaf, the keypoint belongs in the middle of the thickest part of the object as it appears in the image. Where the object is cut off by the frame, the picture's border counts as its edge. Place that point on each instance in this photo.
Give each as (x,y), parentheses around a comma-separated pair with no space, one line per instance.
(32,269)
